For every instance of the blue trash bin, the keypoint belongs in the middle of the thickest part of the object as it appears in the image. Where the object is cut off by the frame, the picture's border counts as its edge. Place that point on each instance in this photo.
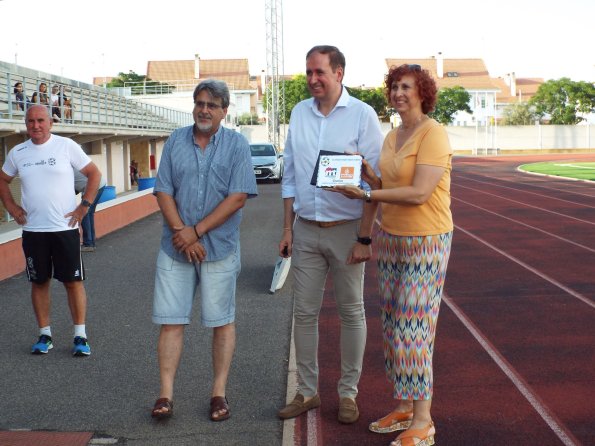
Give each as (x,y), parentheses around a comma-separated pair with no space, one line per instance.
(109,193)
(146,183)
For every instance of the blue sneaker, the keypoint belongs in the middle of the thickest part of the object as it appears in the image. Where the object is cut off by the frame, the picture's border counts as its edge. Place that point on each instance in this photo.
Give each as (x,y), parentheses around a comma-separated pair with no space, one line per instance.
(81,347)
(43,345)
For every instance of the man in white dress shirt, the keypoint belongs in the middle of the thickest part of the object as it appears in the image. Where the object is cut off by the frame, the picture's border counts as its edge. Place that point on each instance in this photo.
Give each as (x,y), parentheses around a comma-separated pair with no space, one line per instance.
(326,232)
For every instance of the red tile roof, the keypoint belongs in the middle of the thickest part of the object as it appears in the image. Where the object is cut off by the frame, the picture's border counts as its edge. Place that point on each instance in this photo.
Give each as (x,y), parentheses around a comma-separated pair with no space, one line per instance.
(234,72)
(471,74)
(525,89)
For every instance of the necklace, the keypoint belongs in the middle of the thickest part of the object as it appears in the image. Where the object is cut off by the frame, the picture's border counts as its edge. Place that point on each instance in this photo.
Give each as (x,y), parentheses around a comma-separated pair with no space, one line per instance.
(412,126)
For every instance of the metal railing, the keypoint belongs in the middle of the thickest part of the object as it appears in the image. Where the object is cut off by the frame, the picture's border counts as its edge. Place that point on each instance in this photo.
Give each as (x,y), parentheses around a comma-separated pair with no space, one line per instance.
(161,87)
(91,105)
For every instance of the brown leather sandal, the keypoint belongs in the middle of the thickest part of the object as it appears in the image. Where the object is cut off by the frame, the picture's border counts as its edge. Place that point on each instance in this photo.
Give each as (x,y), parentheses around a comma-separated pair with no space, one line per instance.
(218,404)
(160,404)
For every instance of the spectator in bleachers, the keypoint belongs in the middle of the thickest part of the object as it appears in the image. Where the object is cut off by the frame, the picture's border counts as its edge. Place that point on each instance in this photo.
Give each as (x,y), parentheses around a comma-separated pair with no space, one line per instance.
(20,98)
(41,97)
(55,101)
(65,104)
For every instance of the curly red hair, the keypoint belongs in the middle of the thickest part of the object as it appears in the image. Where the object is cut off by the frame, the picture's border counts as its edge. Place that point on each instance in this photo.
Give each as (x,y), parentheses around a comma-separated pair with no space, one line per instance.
(426,86)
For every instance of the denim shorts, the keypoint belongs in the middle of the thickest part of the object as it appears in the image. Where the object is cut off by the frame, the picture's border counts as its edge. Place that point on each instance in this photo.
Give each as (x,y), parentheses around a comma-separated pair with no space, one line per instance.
(176,284)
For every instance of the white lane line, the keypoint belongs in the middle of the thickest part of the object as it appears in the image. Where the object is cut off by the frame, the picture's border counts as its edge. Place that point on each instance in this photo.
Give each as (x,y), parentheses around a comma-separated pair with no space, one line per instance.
(313,421)
(313,431)
(558,177)
(566,437)
(539,186)
(575,166)
(292,386)
(545,277)
(527,225)
(530,205)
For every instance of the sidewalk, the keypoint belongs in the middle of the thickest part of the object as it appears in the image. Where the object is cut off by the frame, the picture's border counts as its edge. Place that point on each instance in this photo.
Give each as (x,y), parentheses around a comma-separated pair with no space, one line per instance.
(110,393)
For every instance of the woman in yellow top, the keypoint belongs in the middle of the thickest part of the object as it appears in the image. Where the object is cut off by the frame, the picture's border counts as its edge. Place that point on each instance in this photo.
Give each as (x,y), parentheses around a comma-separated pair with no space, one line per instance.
(413,248)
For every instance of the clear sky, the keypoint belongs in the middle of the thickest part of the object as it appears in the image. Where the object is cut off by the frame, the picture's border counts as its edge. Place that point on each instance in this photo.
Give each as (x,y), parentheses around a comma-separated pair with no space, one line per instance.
(82,39)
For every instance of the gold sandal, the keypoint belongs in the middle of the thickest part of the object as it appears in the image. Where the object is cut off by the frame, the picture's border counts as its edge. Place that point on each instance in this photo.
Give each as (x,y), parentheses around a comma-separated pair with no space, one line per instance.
(394,421)
(424,436)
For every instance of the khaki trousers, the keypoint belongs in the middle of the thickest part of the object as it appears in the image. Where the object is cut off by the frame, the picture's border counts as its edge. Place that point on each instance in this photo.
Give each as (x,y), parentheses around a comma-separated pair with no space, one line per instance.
(316,252)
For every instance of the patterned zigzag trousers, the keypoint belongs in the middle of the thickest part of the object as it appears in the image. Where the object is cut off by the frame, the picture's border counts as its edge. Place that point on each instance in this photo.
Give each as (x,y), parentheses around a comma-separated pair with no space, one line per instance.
(411,273)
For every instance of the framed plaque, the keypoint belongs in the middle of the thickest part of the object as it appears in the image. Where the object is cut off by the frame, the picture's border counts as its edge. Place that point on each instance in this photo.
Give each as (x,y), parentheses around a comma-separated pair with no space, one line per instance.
(338,169)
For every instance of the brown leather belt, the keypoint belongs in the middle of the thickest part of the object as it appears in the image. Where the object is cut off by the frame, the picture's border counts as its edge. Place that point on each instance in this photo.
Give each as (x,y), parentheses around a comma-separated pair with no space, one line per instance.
(324,224)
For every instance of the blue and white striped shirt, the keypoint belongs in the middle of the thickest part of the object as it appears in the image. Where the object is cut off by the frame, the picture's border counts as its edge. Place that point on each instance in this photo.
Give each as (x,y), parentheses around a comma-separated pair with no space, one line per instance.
(199,180)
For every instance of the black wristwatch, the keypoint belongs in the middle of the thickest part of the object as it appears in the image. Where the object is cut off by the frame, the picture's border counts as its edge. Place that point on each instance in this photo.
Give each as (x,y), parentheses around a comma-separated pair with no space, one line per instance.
(86,203)
(364,240)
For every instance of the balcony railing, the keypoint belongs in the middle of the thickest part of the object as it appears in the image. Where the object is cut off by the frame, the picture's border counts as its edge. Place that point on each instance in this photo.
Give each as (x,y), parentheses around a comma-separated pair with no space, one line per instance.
(91,105)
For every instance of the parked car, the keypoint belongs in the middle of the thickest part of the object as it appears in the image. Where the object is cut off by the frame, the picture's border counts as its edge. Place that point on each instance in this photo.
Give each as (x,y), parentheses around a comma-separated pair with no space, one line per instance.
(267,161)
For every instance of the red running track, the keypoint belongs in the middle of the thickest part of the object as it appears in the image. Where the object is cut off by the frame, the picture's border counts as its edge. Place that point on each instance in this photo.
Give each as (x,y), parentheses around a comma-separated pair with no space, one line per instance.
(514,362)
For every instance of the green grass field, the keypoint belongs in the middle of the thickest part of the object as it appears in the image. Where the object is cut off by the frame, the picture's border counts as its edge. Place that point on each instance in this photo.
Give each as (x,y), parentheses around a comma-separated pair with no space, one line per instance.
(569,169)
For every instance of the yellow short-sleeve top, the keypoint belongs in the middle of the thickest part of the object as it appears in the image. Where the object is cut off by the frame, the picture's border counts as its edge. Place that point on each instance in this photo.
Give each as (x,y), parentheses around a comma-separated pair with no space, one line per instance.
(428,145)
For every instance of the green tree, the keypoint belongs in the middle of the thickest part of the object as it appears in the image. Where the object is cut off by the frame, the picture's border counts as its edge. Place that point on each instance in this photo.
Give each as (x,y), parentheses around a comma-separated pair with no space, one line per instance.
(248,119)
(519,113)
(449,102)
(563,100)
(374,97)
(296,90)
(139,84)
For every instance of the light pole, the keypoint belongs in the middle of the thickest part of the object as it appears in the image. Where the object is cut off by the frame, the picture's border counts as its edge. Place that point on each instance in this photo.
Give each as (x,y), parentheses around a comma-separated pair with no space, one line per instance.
(103,69)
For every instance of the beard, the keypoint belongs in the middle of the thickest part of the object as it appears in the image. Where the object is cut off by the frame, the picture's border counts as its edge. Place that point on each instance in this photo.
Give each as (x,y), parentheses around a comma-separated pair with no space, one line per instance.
(204,127)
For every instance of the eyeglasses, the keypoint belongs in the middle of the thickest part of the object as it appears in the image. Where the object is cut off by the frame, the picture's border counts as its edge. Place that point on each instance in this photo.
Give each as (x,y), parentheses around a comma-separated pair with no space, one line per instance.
(414,67)
(210,105)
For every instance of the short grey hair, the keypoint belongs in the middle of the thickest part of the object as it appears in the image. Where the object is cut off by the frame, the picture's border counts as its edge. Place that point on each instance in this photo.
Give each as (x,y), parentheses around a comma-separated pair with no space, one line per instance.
(216,88)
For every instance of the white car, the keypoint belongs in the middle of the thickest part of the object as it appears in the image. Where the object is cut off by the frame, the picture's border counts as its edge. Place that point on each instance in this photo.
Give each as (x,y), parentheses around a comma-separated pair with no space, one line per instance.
(267,161)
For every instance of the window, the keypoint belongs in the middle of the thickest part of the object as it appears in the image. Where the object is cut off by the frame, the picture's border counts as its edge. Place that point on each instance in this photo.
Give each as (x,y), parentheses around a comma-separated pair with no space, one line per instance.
(262,150)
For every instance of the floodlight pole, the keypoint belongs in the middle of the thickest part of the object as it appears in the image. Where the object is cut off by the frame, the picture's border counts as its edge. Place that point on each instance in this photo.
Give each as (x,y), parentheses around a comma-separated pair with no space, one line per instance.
(274,87)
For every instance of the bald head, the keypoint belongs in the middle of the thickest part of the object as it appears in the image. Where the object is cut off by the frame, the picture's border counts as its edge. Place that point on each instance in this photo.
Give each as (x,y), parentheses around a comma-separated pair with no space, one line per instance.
(39,124)
(39,108)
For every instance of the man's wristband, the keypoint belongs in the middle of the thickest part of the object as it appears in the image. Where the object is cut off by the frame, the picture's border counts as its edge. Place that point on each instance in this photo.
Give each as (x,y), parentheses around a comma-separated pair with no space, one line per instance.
(364,240)
(196,232)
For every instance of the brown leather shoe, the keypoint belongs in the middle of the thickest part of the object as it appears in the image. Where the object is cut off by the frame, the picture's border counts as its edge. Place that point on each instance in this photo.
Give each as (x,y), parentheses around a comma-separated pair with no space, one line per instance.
(298,407)
(348,411)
